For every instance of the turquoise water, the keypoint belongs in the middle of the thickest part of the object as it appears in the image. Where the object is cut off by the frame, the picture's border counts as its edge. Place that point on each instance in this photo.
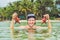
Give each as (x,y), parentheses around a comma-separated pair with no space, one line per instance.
(5,33)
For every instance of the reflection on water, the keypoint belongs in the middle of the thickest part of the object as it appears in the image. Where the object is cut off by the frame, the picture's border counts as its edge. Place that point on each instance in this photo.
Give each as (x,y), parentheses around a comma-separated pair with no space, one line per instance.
(22,34)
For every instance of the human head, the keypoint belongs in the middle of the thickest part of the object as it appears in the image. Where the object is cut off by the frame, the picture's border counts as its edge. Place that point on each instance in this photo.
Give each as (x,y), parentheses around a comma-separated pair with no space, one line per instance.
(31,20)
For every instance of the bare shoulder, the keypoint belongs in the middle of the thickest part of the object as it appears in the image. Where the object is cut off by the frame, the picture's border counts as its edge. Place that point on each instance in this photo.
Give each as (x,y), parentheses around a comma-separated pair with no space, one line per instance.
(38,26)
(23,27)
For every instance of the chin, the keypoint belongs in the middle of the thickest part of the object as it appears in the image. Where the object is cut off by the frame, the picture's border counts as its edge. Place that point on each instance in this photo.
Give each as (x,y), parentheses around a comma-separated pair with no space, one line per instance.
(30,25)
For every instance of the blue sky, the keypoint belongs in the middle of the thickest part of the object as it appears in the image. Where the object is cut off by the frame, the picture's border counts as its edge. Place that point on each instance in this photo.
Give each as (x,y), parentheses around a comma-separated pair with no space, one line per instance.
(3,3)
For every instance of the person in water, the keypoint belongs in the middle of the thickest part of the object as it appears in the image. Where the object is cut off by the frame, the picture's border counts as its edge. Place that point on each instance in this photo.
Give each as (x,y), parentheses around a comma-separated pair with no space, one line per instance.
(31,20)
(17,20)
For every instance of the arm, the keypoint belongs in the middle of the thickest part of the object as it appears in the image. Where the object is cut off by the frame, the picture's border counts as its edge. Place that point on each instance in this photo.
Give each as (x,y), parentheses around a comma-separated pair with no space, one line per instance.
(12,24)
(49,25)
(12,27)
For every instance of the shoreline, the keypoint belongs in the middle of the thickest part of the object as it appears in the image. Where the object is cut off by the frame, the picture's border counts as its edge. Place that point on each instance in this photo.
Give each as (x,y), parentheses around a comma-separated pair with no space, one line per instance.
(36,21)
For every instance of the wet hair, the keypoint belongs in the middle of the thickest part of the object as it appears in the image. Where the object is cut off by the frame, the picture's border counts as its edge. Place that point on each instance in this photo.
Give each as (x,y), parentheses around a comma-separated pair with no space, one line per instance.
(31,16)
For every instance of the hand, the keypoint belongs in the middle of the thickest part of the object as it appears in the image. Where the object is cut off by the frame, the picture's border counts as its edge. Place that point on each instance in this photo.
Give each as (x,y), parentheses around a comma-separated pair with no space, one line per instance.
(47,15)
(14,15)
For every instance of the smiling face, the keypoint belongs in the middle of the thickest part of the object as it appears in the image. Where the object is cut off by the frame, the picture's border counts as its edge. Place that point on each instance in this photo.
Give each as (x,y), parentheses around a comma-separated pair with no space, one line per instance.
(31,22)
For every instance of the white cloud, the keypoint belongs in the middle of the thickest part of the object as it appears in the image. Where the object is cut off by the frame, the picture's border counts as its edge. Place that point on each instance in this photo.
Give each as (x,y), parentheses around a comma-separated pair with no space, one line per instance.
(3,3)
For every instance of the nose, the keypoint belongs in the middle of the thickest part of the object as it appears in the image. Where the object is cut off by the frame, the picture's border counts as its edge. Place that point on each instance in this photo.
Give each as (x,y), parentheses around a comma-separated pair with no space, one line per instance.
(31,22)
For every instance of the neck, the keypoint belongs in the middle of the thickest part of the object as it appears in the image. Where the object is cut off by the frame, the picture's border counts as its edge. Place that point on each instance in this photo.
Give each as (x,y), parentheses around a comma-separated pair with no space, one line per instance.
(31,26)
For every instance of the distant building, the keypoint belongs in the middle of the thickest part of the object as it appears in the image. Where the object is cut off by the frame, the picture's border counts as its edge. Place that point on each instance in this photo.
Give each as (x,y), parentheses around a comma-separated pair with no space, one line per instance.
(57,1)
(58,4)
(58,7)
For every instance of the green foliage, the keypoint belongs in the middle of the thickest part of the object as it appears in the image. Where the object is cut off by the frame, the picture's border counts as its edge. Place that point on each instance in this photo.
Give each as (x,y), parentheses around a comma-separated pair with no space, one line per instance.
(52,18)
(37,7)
